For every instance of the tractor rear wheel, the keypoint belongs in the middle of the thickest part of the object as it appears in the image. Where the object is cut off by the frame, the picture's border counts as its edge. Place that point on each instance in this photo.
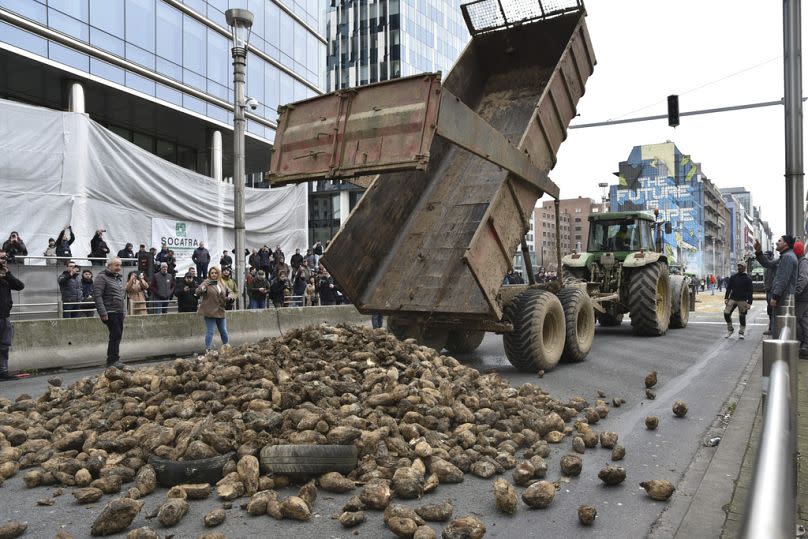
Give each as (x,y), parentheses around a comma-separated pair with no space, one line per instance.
(680,302)
(608,320)
(580,323)
(462,341)
(537,340)
(649,299)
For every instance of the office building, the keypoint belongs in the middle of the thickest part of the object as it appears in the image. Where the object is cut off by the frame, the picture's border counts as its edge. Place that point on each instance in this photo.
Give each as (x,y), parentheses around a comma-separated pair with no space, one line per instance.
(574,232)
(159,72)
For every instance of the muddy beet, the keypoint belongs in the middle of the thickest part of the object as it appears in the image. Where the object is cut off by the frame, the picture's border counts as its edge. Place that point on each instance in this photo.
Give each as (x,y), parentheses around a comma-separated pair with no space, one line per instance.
(680,408)
(612,475)
(587,514)
(468,527)
(505,497)
(116,516)
(651,422)
(658,489)
(571,465)
(539,495)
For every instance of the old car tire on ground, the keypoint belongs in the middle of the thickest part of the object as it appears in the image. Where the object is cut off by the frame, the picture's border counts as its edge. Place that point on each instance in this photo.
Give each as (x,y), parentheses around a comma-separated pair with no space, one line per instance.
(579,318)
(176,472)
(538,335)
(680,302)
(464,341)
(308,459)
(650,299)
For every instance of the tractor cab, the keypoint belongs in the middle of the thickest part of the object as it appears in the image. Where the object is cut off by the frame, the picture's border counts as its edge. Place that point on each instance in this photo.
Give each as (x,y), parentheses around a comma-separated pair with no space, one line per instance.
(620,233)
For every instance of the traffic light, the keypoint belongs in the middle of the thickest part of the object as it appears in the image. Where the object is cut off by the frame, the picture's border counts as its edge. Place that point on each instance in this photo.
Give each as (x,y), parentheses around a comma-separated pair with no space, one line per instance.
(673,110)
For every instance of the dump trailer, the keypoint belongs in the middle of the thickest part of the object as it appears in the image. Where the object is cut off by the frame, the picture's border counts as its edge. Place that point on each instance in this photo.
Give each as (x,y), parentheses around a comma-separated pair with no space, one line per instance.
(453,170)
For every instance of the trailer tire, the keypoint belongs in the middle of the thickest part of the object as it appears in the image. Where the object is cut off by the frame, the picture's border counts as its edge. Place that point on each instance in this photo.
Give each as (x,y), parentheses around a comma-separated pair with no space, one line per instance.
(680,302)
(608,320)
(650,299)
(537,340)
(579,318)
(308,459)
(464,341)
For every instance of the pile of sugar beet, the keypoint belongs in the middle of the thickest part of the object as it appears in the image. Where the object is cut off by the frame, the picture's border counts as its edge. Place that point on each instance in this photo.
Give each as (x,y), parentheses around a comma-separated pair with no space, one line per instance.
(417,418)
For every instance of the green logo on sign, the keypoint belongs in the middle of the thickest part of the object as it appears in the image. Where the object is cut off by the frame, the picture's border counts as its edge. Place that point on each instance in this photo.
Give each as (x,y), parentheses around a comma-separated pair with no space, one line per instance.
(181,229)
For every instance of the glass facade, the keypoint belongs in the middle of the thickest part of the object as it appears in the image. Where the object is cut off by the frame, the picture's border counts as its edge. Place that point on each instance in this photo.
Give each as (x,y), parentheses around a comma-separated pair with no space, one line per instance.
(376,40)
(186,42)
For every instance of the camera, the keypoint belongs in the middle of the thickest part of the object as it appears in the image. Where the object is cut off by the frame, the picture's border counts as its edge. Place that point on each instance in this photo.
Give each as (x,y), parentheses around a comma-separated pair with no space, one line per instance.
(252,103)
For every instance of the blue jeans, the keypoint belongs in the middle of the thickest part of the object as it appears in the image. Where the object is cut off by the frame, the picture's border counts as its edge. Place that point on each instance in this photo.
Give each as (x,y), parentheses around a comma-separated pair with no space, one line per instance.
(71,310)
(258,303)
(211,324)
(377,320)
(160,306)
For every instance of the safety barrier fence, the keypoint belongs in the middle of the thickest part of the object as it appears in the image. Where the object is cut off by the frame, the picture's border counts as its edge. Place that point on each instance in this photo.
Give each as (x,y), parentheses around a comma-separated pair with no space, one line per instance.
(771,503)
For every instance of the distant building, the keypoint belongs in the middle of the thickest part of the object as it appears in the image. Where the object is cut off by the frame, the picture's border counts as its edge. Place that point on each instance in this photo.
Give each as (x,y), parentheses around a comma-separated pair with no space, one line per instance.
(736,229)
(574,222)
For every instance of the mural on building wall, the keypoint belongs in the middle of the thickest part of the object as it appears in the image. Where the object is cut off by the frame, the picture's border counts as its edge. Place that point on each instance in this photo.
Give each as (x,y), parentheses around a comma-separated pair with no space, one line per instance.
(659,176)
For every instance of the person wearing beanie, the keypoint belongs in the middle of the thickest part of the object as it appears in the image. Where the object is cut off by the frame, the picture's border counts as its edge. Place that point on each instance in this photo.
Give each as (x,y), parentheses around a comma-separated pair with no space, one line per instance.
(185,291)
(738,295)
(767,261)
(801,298)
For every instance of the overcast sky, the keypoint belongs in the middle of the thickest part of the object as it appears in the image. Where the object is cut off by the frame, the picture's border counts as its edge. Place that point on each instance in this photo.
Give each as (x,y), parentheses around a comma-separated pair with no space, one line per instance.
(648,49)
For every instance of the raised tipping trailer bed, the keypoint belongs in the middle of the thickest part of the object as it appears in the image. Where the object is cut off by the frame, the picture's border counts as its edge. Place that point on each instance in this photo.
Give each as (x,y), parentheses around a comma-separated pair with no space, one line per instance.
(460,166)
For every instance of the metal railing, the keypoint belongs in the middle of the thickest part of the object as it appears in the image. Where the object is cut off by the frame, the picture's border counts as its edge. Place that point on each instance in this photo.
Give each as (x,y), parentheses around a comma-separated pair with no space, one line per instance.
(771,503)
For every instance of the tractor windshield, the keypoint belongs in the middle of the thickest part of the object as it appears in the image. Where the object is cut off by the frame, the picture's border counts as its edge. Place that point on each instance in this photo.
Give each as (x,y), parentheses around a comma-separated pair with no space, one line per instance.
(615,235)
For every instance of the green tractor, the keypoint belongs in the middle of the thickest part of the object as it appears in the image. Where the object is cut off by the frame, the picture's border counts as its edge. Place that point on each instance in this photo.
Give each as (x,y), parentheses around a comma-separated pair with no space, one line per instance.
(625,271)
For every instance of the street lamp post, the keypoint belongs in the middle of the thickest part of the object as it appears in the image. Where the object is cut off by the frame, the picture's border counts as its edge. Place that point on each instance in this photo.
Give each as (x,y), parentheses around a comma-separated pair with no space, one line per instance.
(240,23)
(603,186)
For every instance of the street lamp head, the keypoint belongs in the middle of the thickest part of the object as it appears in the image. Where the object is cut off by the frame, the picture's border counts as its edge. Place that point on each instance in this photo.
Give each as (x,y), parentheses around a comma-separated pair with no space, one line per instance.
(240,23)
(603,184)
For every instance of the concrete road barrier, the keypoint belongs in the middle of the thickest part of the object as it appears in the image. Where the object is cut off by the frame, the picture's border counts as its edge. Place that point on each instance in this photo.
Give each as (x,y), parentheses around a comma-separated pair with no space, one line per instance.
(82,342)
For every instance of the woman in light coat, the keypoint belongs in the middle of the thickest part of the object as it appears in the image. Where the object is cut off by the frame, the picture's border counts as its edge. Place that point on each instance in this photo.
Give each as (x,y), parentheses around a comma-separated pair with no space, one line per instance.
(136,287)
(215,296)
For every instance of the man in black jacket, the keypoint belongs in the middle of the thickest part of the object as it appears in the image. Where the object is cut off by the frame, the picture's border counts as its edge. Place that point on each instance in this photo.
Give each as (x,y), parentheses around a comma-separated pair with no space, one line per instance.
(187,302)
(7,283)
(110,301)
(127,253)
(739,294)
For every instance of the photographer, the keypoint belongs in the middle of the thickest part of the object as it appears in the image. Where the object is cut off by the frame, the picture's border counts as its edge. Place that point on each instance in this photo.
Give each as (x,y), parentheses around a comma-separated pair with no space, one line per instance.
(64,240)
(14,247)
(299,285)
(7,283)
(278,288)
(70,287)
(99,248)
(326,289)
(215,297)
(258,290)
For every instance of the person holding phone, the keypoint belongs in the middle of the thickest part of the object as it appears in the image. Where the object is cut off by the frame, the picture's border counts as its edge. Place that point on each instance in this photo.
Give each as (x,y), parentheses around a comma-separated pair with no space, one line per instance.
(136,286)
(14,247)
(212,307)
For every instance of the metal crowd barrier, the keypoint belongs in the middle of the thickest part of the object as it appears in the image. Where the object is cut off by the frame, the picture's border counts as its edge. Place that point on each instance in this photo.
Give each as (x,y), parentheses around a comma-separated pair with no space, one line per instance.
(771,506)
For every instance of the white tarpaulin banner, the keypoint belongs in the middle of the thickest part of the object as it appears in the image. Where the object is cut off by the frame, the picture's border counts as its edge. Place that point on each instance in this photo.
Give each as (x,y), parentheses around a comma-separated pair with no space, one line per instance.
(61,167)
(181,237)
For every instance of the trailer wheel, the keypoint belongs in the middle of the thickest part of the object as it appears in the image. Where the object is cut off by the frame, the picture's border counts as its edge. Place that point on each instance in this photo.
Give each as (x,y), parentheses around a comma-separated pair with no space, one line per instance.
(538,335)
(462,341)
(308,459)
(431,337)
(579,318)
(608,320)
(650,299)
(680,302)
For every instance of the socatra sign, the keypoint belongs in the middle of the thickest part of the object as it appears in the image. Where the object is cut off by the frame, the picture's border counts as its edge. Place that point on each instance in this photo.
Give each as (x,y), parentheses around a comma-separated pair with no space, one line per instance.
(182,237)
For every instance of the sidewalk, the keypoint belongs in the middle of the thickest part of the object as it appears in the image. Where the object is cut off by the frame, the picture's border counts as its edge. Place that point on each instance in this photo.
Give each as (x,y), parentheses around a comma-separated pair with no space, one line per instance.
(736,508)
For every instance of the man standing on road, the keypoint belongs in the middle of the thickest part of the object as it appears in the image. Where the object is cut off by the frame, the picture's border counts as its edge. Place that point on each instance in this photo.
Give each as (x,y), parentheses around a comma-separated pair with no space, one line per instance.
(70,288)
(7,283)
(739,294)
(201,258)
(785,279)
(110,301)
(768,261)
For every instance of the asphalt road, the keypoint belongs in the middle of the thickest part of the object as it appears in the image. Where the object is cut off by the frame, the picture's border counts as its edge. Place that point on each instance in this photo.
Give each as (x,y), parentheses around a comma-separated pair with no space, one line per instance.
(696,365)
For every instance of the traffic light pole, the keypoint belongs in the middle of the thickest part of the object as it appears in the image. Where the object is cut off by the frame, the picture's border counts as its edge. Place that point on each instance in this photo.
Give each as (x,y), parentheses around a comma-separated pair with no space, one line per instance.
(792,70)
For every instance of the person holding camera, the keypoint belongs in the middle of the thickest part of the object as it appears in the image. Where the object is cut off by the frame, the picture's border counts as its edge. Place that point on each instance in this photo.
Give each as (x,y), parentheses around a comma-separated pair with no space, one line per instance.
(99,248)
(187,302)
(70,287)
(214,299)
(258,290)
(299,285)
(127,255)
(110,301)
(14,247)
(64,240)
(7,283)
(136,286)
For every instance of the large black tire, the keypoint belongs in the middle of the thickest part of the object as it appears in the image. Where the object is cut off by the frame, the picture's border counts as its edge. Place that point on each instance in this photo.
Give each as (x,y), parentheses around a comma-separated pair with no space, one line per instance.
(537,340)
(680,302)
(308,459)
(431,337)
(176,472)
(464,341)
(579,318)
(649,299)
(607,320)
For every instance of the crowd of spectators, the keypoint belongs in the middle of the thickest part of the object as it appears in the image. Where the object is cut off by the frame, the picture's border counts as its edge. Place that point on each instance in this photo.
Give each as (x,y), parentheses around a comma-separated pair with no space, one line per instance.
(152,283)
